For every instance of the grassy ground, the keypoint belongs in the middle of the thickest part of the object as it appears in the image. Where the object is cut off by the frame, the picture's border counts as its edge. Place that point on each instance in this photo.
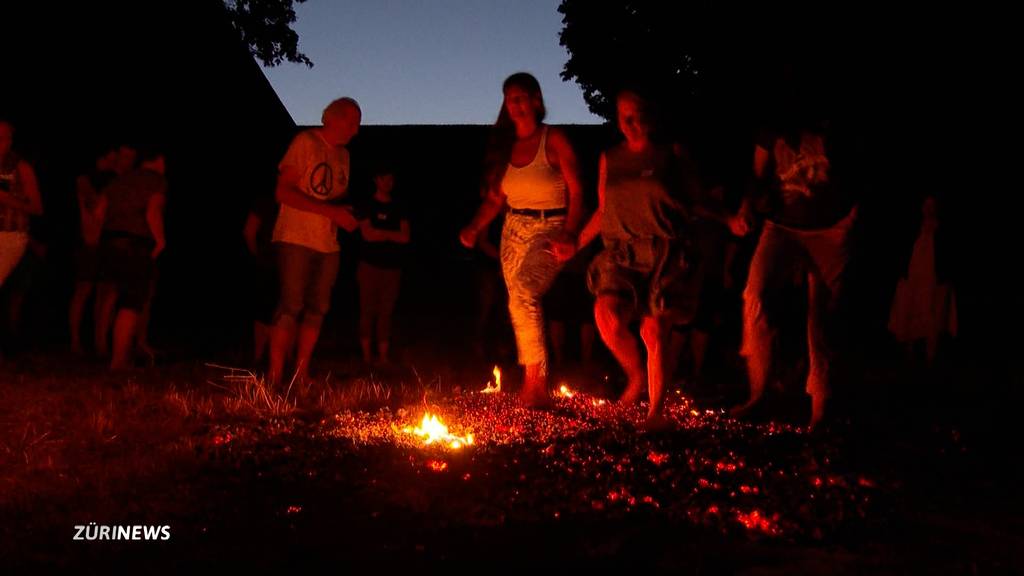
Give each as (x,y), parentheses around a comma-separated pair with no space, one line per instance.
(247,477)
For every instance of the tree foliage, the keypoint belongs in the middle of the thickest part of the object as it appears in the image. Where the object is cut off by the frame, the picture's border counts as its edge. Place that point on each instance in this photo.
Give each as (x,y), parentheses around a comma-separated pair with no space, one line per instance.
(265,27)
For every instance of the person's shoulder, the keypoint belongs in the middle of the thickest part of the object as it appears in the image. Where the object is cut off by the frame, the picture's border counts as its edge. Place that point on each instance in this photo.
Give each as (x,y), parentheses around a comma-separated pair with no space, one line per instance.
(557,136)
(305,139)
(23,165)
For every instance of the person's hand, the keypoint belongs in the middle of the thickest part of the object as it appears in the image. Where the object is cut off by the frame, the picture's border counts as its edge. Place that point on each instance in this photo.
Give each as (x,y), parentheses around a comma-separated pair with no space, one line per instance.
(342,216)
(158,249)
(468,236)
(563,247)
(738,225)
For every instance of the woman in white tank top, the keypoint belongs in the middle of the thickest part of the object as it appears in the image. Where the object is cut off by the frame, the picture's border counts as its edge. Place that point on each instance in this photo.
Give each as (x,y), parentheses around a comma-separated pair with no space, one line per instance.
(531,169)
(19,199)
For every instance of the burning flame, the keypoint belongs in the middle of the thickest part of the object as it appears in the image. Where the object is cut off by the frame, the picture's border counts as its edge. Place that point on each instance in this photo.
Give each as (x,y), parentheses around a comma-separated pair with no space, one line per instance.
(432,430)
(565,392)
(497,387)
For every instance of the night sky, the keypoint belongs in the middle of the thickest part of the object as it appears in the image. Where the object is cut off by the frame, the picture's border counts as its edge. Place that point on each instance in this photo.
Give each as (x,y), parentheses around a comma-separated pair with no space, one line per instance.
(415,62)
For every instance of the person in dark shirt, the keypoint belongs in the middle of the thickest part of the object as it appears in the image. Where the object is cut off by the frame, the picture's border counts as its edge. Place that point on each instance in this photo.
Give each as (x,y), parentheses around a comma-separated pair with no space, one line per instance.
(91,207)
(384,228)
(125,161)
(131,241)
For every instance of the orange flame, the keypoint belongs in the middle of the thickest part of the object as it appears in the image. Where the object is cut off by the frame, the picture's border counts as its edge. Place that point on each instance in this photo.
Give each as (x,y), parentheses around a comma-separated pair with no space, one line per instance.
(497,387)
(565,392)
(432,430)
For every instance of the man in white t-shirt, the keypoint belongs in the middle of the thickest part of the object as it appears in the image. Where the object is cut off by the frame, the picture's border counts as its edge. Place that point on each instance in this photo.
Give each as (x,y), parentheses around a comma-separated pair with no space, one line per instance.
(313,173)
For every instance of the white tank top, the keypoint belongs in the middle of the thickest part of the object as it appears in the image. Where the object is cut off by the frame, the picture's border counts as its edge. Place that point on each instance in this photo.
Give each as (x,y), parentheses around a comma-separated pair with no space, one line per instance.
(537,185)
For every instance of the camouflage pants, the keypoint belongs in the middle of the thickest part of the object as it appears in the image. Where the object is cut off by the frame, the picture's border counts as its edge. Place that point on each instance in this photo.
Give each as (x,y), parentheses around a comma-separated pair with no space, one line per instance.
(529,268)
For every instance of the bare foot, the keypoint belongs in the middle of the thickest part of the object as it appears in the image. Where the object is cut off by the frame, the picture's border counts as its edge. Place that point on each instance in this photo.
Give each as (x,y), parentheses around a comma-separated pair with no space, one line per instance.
(535,389)
(817,411)
(743,410)
(535,398)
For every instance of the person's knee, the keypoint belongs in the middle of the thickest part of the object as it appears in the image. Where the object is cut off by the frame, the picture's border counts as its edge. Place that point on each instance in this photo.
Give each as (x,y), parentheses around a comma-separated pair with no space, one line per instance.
(318,303)
(131,298)
(607,315)
(653,332)
(524,310)
(753,293)
(313,318)
(288,309)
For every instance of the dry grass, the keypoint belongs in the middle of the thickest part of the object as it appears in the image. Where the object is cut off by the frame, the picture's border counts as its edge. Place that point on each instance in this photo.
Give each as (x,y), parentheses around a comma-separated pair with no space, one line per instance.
(84,427)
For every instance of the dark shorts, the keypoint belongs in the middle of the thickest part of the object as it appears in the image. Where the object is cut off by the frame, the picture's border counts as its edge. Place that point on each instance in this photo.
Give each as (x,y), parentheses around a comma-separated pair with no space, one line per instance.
(658,276)
(127,263)
(306,282)
(87,263)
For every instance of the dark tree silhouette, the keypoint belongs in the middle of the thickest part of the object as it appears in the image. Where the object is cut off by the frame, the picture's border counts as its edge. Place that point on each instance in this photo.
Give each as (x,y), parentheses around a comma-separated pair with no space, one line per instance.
(265,27)
(703,58)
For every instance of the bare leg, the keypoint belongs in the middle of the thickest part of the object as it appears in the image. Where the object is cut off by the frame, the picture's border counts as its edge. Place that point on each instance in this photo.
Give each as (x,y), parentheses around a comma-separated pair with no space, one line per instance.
(106,303)
(124,338)
(535,387)
(282,338)
(366,345)
(655,333)
(260,340)
(308,336)
(75,312)
(817,346)
(609,313)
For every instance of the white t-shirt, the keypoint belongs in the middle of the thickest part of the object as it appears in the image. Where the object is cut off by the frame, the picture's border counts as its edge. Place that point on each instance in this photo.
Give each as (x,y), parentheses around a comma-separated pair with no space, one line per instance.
(324,173)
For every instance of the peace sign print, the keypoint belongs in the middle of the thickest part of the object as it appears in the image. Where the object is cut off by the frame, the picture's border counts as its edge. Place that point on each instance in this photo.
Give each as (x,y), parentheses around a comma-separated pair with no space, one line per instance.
(321,180)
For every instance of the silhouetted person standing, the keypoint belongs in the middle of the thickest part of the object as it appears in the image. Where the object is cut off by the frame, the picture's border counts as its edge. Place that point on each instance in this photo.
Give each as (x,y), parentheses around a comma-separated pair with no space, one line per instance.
(313,173)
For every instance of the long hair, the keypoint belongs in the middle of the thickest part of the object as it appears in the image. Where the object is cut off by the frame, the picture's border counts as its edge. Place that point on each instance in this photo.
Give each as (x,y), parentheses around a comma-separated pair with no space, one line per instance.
(503,134)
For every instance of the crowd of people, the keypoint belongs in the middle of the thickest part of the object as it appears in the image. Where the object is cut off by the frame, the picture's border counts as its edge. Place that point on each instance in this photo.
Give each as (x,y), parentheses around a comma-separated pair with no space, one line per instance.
(657,274)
